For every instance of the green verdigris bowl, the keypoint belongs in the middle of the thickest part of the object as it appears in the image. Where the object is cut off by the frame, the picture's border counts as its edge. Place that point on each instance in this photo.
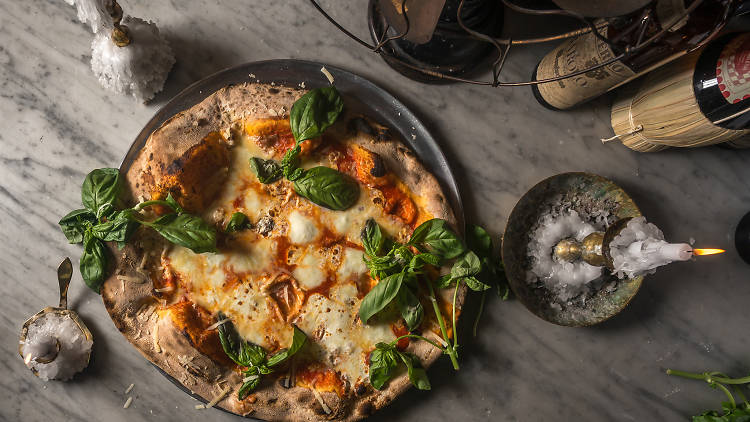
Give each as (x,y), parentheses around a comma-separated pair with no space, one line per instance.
(586,191)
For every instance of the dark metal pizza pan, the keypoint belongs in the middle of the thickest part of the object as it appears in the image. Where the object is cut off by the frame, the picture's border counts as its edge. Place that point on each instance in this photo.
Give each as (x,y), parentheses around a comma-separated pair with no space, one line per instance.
(360,95)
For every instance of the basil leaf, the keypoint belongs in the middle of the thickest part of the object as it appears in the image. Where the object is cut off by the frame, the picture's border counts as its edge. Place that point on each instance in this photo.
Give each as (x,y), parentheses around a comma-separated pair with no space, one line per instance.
(314,112)
(328,188)
(417,374)
(479,241)
(410,307)
(243,353)
(251,354)
(290,164)
(238,221)
(249,386)
(174,204)
(403,253)
(419,261)
(372,238)
(467,265)
(731,414)
(267,171)
(380,296)
(74,224)
(298,340)
(475,284)
(382,266)
(438,238)
(444,281)
(93,264)
(100,190)
(383,360)
(230,340)
(186,230)
(118,228)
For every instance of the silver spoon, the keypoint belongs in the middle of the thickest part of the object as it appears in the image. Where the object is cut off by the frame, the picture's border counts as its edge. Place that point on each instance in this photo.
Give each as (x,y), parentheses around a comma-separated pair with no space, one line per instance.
(64,274)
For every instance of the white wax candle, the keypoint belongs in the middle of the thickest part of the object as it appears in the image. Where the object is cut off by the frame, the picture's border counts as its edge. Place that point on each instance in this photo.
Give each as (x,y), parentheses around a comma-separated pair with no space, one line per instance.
(676,251)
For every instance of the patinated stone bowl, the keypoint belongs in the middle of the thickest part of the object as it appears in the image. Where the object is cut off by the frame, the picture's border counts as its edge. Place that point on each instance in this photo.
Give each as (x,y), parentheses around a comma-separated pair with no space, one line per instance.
(593,193)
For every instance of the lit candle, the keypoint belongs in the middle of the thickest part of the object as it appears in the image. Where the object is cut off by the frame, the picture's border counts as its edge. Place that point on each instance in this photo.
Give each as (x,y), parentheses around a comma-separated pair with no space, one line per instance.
(676,251)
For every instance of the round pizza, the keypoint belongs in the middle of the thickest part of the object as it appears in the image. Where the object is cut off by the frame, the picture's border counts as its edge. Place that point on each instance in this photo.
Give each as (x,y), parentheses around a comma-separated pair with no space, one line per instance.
(280,257)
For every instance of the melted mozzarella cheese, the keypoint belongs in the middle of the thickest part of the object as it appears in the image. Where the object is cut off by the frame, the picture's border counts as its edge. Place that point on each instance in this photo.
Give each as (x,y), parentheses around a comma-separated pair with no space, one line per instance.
(344,341)
(352,265)
(236,280)
(302,229)
(309,272)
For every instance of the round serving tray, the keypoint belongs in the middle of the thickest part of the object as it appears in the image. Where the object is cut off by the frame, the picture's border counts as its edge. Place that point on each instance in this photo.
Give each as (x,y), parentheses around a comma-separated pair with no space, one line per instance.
(360,96)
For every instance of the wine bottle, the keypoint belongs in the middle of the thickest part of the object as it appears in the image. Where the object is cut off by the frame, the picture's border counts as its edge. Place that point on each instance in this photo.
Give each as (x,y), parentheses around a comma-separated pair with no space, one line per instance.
(700,99)
(588,50)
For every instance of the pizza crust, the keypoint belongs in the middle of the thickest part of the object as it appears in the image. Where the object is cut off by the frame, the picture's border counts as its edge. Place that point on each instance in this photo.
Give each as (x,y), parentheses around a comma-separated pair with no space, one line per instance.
(134,310)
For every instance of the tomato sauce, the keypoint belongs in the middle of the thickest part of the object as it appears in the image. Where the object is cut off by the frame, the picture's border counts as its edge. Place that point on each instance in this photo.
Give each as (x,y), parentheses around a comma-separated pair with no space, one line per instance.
(321,379)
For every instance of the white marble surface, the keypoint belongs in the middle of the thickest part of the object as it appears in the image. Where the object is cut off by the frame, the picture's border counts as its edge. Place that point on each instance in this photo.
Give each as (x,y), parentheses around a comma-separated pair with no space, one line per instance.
(58,123)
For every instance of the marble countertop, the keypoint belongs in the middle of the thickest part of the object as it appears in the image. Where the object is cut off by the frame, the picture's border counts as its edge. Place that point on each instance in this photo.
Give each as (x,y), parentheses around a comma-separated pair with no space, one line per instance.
(58,123)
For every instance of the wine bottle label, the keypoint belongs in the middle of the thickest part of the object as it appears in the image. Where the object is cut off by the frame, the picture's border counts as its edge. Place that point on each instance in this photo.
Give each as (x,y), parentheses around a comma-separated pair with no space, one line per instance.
(733,70)
(577,54)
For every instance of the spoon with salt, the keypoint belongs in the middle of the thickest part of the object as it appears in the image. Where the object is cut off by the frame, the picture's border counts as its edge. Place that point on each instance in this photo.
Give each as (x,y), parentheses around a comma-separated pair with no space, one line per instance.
(55,343)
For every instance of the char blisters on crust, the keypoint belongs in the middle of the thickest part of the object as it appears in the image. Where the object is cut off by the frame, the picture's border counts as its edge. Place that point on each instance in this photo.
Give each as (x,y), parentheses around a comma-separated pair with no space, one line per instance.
(369,128)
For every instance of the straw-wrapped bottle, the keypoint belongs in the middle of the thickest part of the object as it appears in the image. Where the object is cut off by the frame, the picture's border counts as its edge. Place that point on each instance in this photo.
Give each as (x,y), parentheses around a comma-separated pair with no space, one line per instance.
(701,99)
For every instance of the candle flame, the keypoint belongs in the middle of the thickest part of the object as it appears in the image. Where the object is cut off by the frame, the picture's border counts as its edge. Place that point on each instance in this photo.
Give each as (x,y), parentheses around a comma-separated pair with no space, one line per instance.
(707,251)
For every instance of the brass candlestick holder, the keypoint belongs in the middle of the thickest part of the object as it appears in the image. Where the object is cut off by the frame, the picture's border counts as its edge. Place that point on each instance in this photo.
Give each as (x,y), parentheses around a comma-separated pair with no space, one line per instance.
(593,249)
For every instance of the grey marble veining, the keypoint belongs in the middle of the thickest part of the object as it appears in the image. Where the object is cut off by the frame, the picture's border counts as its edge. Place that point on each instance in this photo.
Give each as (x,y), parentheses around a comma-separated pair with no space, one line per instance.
(57,123)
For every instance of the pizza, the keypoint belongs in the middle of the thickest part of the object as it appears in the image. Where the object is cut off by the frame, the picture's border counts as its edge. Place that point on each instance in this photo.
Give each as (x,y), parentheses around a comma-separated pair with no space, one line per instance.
(268,322)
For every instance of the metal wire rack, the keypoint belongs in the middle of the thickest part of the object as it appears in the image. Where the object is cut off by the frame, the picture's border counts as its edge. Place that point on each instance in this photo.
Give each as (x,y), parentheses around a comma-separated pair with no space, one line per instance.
(503,45)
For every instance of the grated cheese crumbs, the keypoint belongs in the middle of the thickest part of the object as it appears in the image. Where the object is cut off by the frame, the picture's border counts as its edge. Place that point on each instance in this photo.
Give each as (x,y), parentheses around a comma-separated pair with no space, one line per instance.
(218,398)
(217,323)
(127,402)
(200,406)
(328,74)
(322,403)
(142,265)
(155,335)
(129,279)
(129,389)
(250,378)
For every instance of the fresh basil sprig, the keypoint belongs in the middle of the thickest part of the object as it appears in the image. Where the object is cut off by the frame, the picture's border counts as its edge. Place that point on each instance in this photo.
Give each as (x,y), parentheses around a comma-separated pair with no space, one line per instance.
(386,358)
(253,357)
(731,410)
(310,116)
(398,269)
(100,221)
